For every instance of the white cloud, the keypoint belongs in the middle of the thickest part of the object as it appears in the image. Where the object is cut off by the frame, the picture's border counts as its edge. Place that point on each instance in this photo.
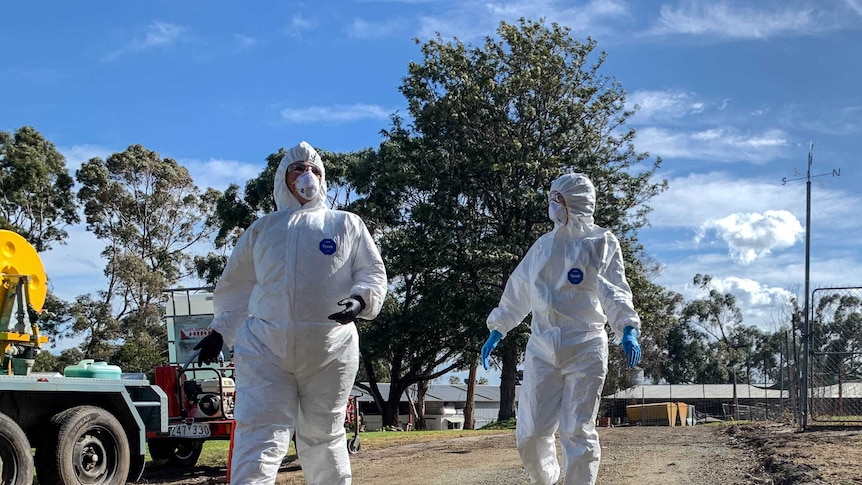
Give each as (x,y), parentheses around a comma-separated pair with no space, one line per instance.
(739,20)
(76,155)
(363,29)
(752,235)
(244,41)
(663,105)
(34,75)
(751,293)
(161,34)
(335,114)
(471,20)
(720,144)
(855,5)
(158,34)
(219,174)
(298,24)
(760,304)
(714,195)
(831,121)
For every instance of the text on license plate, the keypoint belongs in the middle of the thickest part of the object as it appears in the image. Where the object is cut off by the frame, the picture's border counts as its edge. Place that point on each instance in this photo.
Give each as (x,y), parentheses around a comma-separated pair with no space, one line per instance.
(193,430)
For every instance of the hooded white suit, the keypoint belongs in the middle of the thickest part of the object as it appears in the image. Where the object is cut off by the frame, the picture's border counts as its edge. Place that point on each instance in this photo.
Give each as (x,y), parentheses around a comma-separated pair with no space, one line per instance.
(294,366)
(573,281)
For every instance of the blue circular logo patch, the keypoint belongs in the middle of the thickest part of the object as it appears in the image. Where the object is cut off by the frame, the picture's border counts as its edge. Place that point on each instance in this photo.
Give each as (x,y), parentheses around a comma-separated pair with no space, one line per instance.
(327,246)
(576,276)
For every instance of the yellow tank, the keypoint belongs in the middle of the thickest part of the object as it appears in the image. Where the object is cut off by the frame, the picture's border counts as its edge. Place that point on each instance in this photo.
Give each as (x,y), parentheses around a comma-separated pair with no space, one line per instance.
(19,257)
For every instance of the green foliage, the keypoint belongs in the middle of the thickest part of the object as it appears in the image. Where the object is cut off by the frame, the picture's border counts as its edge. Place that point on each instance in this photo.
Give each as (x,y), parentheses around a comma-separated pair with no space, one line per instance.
(149,213)
(462,191)
(45,362)
(35,189)
(504,424)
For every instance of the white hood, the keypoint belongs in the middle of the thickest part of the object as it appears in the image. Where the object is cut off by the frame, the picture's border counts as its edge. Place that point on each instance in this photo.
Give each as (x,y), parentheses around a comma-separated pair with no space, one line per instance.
(284,200)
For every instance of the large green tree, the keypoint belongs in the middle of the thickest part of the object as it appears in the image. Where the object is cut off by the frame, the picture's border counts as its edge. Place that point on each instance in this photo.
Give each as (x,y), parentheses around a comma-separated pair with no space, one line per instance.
(36,197)
(491,127)
(150,214)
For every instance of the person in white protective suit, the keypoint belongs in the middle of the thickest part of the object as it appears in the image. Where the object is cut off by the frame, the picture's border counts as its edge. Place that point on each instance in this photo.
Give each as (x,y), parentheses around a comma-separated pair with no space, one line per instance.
(286,300)
(573,281)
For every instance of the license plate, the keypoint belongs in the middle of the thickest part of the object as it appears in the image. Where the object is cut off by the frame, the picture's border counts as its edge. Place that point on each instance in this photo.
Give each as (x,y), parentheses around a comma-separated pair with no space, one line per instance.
(193,430)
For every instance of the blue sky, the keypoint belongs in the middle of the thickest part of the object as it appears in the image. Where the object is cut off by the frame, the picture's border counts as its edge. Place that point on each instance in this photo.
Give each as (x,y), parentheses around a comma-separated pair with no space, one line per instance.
(731,94)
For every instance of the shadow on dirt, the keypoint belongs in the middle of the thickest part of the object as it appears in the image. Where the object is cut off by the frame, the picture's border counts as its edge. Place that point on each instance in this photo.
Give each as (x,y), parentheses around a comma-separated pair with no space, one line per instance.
(209,475)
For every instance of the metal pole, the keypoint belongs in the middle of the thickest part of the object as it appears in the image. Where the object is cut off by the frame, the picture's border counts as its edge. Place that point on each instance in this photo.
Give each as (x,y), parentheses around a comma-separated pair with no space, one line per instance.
(806,338)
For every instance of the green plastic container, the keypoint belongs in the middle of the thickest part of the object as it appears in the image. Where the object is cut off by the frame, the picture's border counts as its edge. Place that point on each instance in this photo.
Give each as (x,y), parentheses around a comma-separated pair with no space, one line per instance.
(93,369)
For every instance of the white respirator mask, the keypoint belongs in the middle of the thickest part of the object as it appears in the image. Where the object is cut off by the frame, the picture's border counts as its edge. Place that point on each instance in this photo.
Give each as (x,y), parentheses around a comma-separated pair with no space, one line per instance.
(307,185)
(558,213)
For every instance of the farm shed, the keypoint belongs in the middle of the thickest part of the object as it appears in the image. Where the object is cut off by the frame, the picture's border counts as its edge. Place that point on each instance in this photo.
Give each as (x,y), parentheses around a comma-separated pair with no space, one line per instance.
(710,401)
(444,406)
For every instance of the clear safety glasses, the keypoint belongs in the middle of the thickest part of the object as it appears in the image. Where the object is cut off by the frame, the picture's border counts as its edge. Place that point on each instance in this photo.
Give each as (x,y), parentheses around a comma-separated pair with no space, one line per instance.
(302,167)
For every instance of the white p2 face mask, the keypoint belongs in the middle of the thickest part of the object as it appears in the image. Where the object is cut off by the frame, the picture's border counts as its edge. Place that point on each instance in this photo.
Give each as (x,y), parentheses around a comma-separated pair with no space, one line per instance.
(557,213)
(307,185)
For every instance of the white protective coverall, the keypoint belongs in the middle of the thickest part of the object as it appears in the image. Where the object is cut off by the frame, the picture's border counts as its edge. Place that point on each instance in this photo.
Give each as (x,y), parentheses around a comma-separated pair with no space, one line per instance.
(295,367)
(573,280)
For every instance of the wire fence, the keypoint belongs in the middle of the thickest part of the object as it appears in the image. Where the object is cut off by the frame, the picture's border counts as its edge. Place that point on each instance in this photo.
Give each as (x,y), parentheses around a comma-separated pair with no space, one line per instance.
(835,370)
(694,404)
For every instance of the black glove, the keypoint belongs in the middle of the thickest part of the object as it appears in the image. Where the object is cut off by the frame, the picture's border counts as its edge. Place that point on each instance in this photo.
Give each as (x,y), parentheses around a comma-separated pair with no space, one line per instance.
(210,346)
(352,307)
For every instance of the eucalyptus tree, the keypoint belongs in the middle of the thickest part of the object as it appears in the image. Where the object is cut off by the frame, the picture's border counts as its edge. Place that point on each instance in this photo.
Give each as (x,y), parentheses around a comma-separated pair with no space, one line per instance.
(491,126)
(150,214)
(36,196)
(719,317)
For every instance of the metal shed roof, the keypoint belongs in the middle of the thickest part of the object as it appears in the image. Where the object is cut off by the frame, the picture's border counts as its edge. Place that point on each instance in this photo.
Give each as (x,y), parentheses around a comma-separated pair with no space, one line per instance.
(697,391)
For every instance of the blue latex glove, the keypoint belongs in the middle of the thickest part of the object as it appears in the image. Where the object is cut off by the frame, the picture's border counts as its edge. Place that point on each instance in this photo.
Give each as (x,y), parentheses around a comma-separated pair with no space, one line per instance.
(489,346)
(631,346)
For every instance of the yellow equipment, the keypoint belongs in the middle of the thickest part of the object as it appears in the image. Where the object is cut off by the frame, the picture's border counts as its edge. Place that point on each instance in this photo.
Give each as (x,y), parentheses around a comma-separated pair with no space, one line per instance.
(23,283)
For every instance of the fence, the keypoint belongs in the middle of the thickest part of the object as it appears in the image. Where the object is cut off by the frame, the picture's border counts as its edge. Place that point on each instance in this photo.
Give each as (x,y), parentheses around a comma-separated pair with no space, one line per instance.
(835,369)
(706,403)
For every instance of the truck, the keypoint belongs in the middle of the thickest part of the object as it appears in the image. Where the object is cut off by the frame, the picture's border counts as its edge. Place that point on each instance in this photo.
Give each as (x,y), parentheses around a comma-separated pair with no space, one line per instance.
(90,428)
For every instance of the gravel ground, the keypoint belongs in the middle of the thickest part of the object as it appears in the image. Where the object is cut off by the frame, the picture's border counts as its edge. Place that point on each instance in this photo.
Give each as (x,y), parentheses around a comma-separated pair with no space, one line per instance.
(715,455)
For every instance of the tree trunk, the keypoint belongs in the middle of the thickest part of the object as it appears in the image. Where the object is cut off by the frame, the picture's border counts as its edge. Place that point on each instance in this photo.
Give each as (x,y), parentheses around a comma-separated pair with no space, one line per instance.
(469,420)
(419,408)
(389,413)
(508,379)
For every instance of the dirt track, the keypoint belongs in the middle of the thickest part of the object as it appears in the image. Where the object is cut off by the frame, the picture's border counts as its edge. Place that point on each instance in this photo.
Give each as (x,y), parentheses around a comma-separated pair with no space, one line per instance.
(724,455)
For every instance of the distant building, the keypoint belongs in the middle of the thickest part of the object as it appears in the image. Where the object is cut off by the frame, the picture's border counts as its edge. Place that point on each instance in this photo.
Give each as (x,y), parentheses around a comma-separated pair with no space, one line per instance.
(710,402)
(444,406)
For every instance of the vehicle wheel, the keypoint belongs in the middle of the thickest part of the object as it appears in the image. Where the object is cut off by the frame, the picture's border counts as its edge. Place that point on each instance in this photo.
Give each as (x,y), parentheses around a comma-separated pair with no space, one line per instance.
(89,447)
(180,453)
(136,467)
(353,445)
(16,461)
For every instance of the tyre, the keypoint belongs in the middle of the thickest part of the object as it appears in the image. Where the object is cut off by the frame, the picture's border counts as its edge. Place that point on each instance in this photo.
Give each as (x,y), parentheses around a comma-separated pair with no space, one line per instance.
(353,445)
(16,461)
(85,445)
(180,453)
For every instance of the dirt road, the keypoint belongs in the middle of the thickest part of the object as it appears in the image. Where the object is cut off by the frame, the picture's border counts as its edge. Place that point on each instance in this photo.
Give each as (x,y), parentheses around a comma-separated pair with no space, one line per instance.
(735,455)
